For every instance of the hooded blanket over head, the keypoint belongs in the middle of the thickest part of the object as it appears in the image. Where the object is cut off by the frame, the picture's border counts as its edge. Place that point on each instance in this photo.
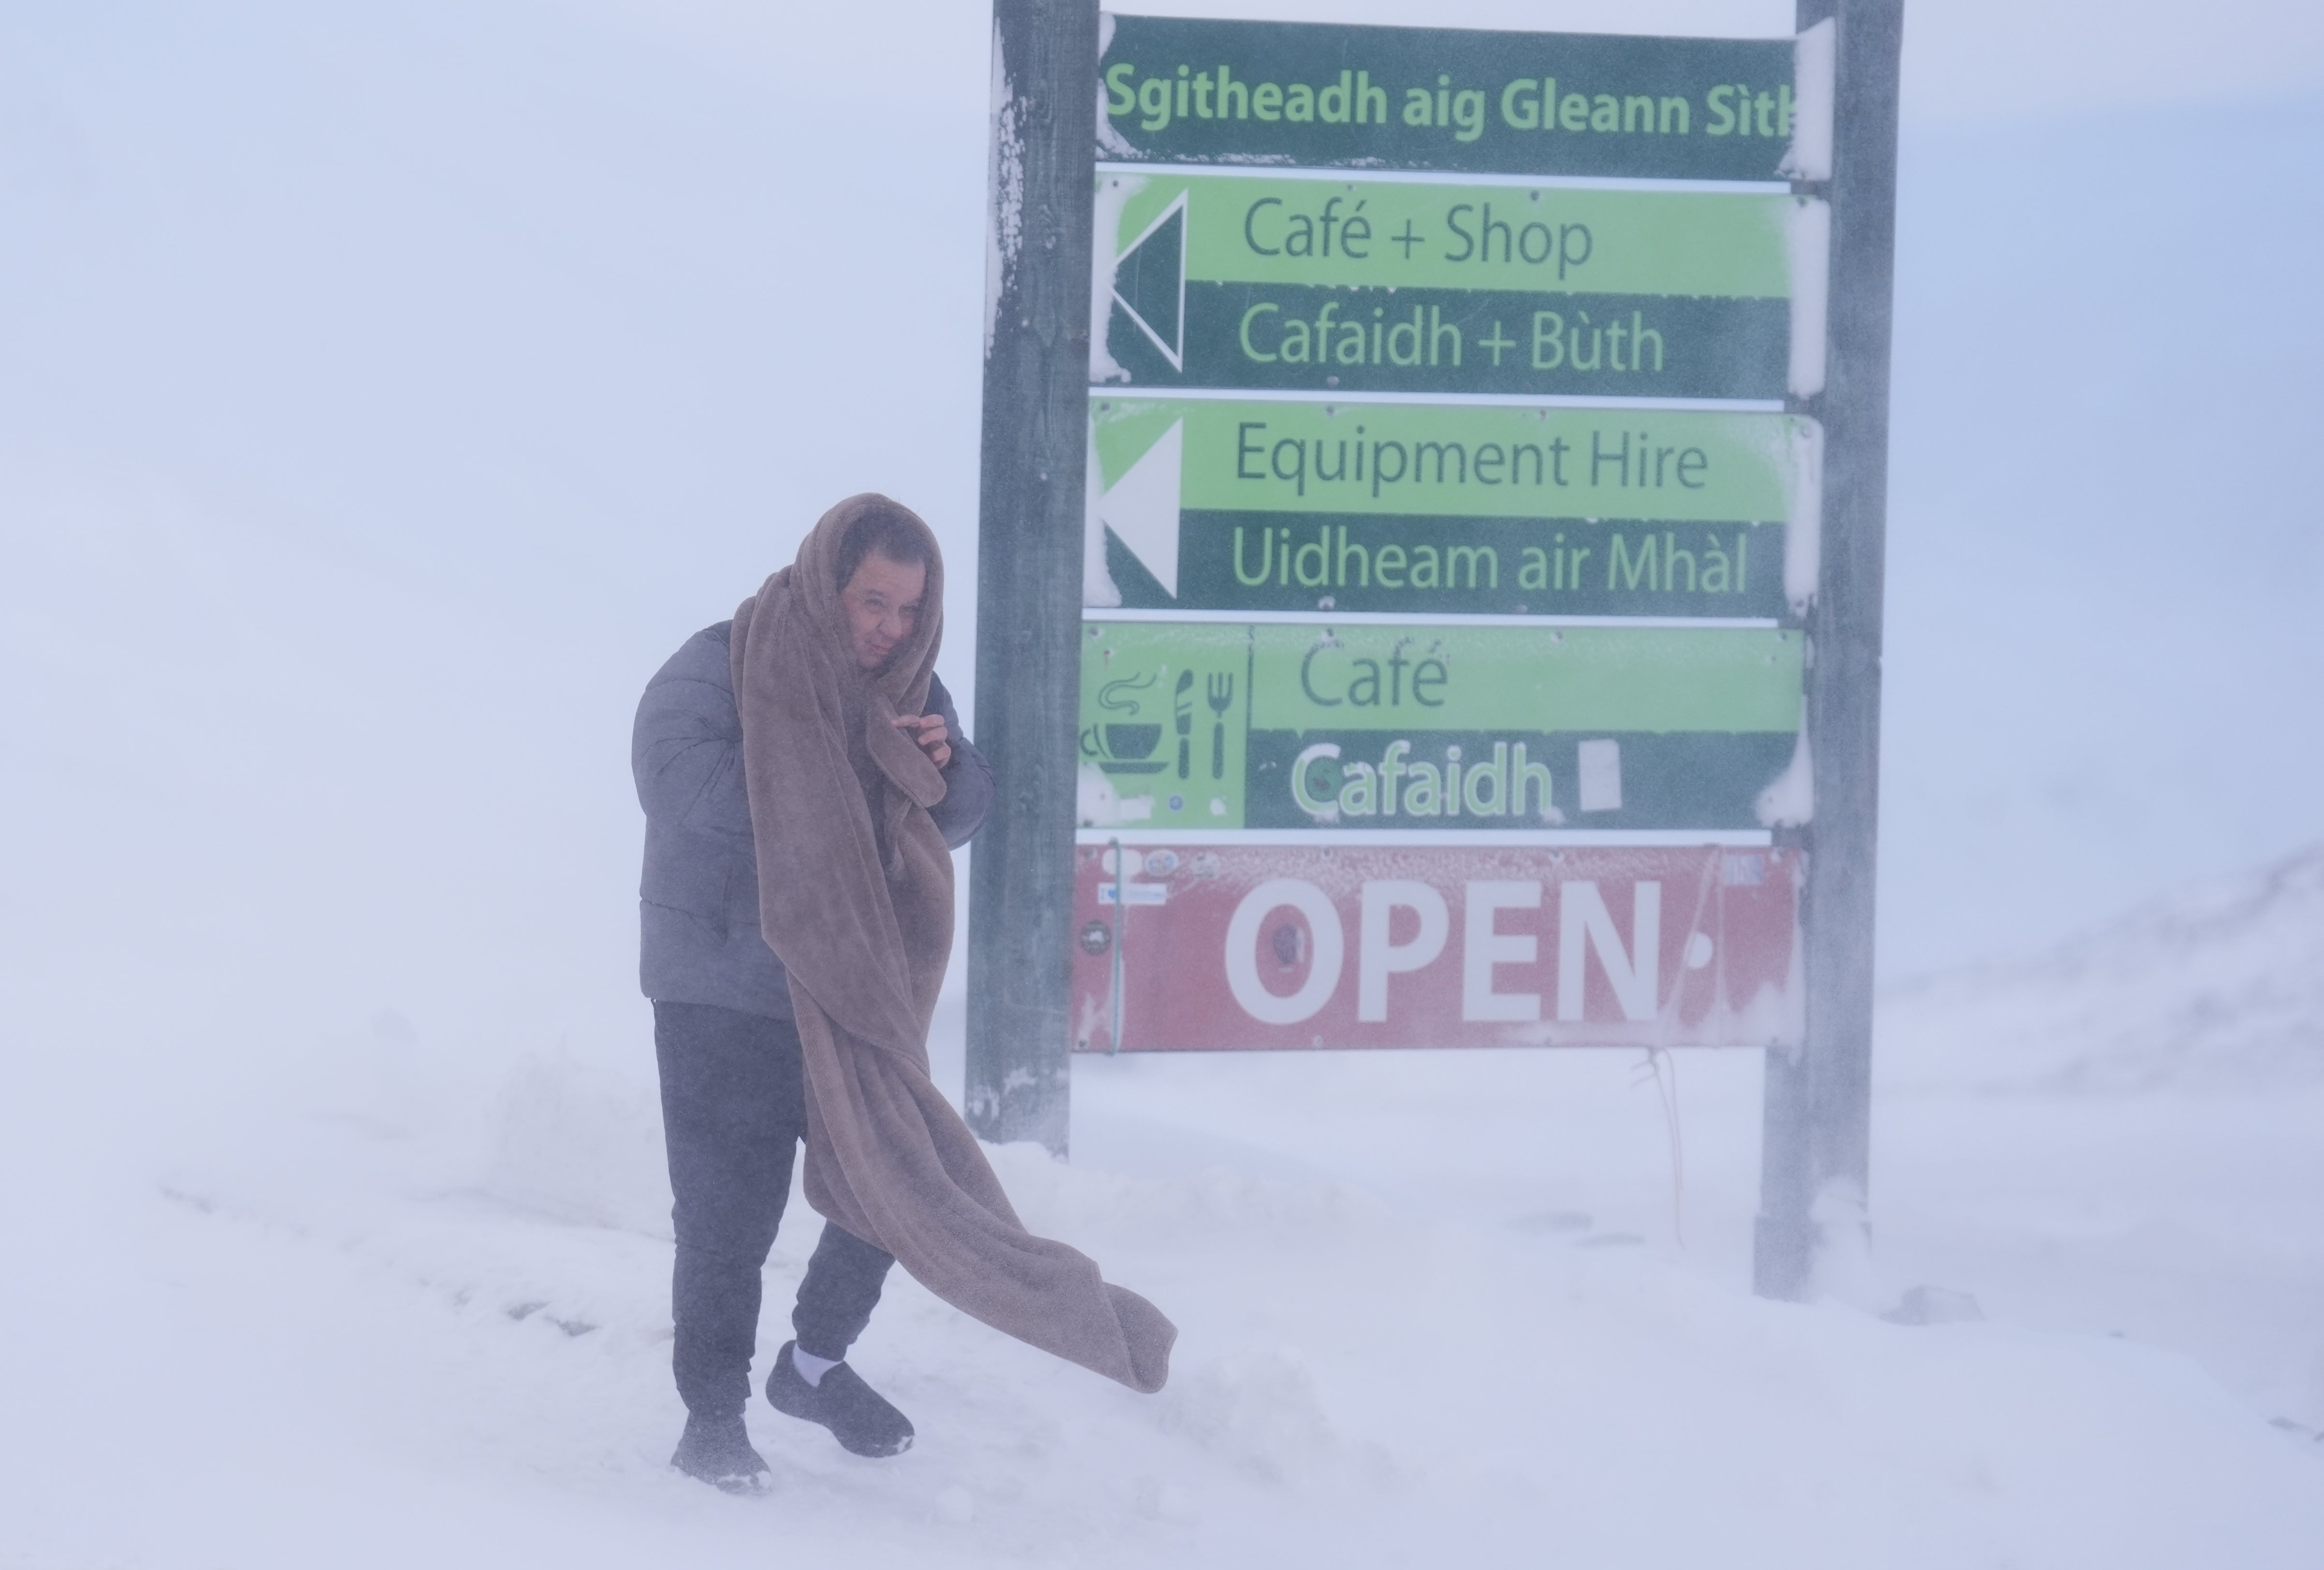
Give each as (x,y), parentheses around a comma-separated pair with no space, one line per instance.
(856,898)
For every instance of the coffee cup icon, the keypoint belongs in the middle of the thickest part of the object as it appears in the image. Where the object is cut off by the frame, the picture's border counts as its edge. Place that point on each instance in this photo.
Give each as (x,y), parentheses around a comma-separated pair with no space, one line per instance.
(1131,745)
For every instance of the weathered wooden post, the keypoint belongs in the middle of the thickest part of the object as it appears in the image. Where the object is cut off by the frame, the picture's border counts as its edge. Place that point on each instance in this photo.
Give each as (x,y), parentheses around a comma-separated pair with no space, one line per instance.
(1816,1159)
(1028,588)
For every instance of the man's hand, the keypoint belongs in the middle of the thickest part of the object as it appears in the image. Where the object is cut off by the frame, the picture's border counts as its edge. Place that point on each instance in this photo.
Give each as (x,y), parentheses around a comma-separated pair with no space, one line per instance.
(928,730)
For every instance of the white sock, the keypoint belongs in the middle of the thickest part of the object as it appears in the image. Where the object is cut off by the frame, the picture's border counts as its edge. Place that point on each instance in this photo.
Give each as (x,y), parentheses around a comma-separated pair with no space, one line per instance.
(811,1367)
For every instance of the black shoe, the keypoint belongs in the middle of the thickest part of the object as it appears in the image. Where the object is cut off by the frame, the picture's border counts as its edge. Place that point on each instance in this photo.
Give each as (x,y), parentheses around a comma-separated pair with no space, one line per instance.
(717,1450)
(855,1413)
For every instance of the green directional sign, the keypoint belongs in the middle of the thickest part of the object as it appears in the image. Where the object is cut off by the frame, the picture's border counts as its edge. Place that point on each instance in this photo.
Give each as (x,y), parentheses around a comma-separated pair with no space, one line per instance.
(1253,281)
(1412,503)
(1406,97)
(1252,506)
(1408,730)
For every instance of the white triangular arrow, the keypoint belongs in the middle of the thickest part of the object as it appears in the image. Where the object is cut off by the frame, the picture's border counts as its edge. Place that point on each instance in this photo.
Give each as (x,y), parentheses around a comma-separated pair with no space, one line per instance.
(1142,507)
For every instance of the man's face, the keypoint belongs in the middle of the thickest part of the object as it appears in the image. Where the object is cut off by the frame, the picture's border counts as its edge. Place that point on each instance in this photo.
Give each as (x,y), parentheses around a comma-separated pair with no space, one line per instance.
(882,601)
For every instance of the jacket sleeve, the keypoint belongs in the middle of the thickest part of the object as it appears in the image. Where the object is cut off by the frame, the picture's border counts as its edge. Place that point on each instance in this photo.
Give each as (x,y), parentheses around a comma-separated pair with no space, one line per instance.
(687,752)
(968,777)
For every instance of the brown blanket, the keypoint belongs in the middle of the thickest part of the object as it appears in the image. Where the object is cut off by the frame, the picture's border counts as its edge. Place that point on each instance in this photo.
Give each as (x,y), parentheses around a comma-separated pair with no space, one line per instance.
(856,896)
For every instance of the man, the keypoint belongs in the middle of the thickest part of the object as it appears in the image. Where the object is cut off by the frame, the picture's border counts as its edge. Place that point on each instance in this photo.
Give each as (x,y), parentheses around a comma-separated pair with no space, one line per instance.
(733,1098)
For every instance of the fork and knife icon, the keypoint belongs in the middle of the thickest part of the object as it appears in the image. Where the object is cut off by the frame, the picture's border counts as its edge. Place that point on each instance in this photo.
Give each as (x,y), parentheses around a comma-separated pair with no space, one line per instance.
(1218,692)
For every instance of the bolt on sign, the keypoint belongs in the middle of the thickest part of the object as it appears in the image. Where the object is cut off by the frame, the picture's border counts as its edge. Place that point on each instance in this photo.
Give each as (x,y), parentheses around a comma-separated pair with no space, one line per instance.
(1448,539)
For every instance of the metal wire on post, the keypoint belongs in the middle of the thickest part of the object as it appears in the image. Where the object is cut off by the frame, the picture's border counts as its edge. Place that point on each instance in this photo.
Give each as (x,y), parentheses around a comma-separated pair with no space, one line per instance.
(1120,927)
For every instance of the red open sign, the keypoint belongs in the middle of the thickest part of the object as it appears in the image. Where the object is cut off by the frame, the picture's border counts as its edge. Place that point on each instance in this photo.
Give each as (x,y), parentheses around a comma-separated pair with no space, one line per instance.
(1252,946)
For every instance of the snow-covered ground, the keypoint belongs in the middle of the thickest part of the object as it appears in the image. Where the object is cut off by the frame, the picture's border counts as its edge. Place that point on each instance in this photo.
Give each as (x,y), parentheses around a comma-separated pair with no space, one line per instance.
(1436,1308)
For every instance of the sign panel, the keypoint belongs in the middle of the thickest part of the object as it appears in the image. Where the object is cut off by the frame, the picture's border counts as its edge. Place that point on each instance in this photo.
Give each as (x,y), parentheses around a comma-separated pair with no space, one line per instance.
(1246,280)
(1205,947)
(1447,537)
(1402,730)
(1243,505)
(1439,99)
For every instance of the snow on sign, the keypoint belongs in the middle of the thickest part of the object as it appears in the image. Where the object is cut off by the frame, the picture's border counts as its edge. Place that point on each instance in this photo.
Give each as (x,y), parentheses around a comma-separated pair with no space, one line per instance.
(1241,947)
(1448,537)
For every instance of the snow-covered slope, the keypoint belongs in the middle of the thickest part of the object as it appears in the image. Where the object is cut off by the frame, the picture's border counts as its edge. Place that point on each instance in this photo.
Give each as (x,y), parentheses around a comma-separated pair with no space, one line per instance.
(2125,1136)
(2219,988)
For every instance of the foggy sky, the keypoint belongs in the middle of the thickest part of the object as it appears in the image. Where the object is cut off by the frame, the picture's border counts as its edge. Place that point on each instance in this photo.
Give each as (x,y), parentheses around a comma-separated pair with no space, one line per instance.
(385,390)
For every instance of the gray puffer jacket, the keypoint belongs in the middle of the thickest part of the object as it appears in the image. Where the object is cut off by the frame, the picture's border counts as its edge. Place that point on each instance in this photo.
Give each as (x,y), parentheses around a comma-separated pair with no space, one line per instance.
(699,899)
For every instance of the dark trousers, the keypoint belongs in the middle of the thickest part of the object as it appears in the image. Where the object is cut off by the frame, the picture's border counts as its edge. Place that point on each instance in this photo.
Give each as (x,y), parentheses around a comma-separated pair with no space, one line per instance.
(733,1108)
